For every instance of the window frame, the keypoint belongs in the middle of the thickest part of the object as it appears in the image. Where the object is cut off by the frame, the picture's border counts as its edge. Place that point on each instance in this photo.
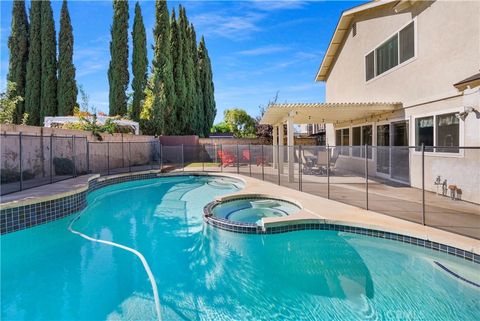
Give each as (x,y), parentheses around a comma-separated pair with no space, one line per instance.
(434,152)
(399,64)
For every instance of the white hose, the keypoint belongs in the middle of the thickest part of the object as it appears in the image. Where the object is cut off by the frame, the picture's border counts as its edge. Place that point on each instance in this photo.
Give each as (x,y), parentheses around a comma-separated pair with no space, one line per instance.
(138,254)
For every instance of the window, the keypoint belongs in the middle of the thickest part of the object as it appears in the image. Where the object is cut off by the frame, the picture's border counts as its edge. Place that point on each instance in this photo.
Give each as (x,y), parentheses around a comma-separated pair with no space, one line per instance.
(407,43)
(361,136)
(370,65)
(342,138)
(444,136)
(424,133)
(387,55)
(356,141)
(354,29)
(448,129)
(396,50)
(367,140)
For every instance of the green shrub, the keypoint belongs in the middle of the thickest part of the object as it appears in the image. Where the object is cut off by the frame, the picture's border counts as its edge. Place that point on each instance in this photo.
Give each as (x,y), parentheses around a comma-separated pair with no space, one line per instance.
(63,166)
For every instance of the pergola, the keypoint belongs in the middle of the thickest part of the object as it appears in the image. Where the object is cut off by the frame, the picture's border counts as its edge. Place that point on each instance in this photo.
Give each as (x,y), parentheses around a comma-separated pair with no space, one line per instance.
(315,113)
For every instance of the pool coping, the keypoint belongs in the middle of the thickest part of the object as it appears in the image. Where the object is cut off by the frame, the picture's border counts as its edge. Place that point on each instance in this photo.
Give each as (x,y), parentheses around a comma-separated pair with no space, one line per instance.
(21,214)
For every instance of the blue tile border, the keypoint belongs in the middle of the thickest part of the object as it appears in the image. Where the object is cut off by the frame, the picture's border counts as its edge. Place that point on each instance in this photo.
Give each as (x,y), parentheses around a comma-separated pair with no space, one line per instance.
(22,217)
(251,228)
(443,267)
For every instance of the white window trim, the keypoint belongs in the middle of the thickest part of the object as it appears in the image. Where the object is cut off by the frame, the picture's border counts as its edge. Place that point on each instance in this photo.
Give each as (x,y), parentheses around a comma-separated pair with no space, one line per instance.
(434,153)
(400,65)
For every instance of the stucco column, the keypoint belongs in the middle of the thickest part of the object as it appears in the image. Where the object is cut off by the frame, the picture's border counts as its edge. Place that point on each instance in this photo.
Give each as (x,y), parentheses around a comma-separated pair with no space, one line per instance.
(275,146)
(290,147)
(280,147)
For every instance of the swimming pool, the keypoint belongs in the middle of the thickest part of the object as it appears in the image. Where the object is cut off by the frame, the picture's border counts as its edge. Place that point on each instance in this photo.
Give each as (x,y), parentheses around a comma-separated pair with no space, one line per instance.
(205,273)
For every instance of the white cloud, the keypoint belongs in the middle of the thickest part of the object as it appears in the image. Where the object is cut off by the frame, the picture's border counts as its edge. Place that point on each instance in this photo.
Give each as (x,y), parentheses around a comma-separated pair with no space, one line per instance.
(225,25)
(265,50)
(278,5)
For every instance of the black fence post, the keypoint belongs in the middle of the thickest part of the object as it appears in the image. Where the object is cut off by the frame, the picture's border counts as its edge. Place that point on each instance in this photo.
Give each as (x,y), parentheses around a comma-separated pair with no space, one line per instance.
(278,163)
(20,154)
(129,157)
(423,183)
(108,158)
(51,158)
(366,176)
(161,157)
(202,151)
(250,159)
(328,172)
(263,165)
(74,158)
(221,158)
(299,167)
(183,160)
(238,161)
(87,148)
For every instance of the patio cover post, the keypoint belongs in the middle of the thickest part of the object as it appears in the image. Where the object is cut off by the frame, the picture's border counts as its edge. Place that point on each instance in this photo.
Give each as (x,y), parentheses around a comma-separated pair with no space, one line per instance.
(280,147)
(290,148)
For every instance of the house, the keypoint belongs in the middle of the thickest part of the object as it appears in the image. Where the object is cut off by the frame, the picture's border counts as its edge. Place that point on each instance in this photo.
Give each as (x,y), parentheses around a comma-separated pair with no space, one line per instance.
(402,73)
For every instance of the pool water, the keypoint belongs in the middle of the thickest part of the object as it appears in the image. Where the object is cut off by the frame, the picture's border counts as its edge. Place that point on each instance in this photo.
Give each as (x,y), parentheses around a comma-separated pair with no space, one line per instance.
(253,210)
(204,273)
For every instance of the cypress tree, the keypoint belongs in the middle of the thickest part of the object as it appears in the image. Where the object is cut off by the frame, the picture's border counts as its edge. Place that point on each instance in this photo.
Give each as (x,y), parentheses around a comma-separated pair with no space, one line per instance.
(177,51)
(188,115)
(118,75)
(199,113)
(67,86)
(34,66)
(205,70)
(139,63)
(18,45)
(48,99)
(163,109)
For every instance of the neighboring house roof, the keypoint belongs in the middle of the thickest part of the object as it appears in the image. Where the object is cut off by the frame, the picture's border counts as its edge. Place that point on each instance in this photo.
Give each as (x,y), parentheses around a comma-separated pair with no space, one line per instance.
(314,113)
(342,30)
(472,81)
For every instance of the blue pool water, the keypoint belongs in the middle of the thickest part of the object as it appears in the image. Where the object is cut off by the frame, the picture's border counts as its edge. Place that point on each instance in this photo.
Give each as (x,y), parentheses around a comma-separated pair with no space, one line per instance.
(253,210)
(203,273)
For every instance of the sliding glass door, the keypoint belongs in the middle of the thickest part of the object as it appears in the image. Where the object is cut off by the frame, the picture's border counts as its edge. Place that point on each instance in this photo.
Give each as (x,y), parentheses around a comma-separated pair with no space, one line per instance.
(400,156)
(383,150)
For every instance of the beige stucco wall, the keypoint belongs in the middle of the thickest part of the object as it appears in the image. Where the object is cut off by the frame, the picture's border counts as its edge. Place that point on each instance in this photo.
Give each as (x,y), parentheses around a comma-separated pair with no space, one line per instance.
(448,50)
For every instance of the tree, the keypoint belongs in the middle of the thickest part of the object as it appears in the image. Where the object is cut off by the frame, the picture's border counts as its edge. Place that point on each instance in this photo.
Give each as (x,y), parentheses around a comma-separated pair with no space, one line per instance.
(239,122)
(9,101)
(205,70)
(177,48)
(18,45)
(163,108)
(265,132)
(34,65)
(189,117)
(67,86)
(198,104)
(118,74)
(48,99)
(139,63)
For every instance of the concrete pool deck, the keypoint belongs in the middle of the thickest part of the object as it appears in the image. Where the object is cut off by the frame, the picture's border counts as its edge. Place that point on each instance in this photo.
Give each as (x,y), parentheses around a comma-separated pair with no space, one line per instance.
(314,208)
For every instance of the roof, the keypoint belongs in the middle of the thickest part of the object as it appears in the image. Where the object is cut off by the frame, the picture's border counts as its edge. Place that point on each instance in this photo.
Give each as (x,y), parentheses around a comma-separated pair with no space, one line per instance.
(472,81)
(311,113)
(341,31)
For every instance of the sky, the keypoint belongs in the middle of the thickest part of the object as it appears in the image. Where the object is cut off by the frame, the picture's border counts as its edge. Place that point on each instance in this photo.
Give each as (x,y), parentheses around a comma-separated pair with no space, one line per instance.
(257,48)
